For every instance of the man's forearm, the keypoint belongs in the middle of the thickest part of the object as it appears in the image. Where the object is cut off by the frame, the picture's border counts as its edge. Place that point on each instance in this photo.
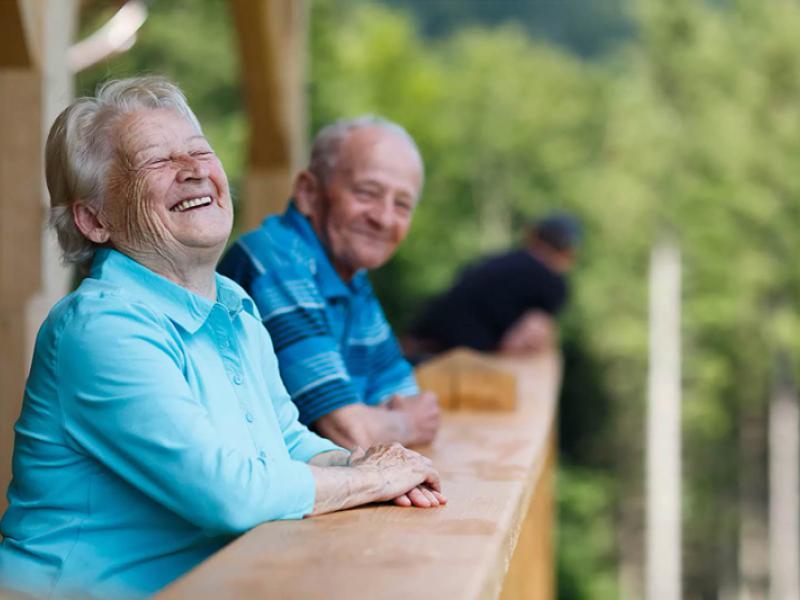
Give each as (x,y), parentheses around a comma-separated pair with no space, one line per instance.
(362,425)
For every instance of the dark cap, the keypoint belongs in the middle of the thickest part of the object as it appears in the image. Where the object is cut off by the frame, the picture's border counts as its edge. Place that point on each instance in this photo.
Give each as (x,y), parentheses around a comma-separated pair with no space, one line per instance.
(558,230)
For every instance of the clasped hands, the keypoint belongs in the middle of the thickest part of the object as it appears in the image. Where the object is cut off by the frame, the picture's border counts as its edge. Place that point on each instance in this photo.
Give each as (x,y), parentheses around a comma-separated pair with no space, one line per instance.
(401,469)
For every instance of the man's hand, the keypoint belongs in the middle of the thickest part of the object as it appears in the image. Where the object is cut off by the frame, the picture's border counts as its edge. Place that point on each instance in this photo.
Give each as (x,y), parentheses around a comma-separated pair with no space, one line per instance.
(422,415)
(533,331)
(410,420)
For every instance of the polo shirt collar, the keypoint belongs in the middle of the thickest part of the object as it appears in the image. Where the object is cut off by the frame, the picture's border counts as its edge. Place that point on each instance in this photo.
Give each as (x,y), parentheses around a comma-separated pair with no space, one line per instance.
(181,306)
(330,284)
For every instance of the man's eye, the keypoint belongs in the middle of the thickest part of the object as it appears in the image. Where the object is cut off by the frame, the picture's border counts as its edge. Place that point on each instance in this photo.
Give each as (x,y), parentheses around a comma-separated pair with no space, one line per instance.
(202,153)
(154,162)
(367,192)
(403,206)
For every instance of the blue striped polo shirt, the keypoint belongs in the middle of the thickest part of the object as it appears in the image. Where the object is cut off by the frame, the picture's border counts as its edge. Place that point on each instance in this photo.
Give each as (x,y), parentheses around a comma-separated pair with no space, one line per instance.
(332,339)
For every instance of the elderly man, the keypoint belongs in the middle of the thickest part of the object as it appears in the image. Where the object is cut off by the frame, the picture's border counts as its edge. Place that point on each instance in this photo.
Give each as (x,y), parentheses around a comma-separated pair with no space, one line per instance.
(306,270)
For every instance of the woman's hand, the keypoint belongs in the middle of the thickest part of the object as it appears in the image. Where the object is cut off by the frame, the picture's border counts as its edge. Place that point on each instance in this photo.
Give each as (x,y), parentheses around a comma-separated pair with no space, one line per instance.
(390,458)
(382,473)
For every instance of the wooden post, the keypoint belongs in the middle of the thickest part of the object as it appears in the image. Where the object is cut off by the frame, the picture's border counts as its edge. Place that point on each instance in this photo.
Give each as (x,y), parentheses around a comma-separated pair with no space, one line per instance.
(663,426)
(784,484)
(21,213)
(35,85)
(272,39)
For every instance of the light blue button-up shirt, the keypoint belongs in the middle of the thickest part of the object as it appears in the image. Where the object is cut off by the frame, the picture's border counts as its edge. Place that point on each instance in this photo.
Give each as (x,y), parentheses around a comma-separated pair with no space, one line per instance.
(154,429)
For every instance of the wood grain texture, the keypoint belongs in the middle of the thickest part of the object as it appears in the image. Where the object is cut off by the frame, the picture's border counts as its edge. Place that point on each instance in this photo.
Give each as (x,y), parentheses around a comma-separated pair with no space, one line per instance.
(21,223)
(272,48)
(490,463)
(467,380)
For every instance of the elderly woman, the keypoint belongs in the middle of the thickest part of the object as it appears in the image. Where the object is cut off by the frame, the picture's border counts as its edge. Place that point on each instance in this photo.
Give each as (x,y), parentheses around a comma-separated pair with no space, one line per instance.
(155,427)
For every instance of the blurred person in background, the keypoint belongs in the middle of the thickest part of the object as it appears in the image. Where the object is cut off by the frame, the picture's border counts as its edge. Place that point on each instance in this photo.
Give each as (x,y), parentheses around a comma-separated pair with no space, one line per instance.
(307,271)
(505,303)
(155,426)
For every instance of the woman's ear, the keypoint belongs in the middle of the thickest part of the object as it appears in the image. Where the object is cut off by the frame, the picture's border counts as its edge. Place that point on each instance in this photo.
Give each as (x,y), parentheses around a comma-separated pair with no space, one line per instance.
(306,193)
(89,224)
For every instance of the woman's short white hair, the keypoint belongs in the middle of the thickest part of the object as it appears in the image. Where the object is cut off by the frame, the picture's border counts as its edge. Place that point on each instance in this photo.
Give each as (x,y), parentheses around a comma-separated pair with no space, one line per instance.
(328,141)
(81,147)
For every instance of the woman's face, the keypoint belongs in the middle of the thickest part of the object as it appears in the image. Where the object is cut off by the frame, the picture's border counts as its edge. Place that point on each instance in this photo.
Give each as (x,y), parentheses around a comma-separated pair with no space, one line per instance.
(167,195)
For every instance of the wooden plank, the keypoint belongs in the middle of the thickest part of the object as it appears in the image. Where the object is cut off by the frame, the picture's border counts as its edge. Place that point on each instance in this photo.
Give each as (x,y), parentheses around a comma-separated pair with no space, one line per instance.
(490,465)
(532,572)
(272,41)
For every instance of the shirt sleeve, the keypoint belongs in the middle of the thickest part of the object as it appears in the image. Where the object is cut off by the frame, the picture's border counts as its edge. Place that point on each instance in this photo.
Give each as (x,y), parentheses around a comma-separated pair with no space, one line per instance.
(303,445)
(390,372)
(309,355)
(126,403)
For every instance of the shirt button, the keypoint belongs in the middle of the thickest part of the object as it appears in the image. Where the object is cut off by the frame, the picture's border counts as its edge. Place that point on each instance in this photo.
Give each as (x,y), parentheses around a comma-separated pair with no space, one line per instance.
(224,342)
(262,454)
(249,418)
(237,378)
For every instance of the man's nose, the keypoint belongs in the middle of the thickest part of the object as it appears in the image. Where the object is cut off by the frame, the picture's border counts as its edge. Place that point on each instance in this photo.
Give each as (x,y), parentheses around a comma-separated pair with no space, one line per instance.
(382,212)
(190,167)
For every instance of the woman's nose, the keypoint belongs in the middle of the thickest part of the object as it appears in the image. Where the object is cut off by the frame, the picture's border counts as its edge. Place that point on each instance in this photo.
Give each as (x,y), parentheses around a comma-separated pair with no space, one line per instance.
(191,168)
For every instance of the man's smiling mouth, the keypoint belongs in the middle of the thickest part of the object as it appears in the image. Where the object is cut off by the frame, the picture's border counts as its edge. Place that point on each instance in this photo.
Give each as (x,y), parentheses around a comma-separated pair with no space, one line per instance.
(191,203)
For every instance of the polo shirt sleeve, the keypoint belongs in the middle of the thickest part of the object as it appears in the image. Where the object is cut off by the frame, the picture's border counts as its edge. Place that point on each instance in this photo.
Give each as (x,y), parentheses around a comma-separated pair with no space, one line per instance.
(309,355)
(303,445)
(125,402)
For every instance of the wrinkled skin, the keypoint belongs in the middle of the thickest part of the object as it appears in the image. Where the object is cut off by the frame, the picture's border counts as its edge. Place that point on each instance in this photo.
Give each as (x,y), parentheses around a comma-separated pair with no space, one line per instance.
(161,159)
(362,209)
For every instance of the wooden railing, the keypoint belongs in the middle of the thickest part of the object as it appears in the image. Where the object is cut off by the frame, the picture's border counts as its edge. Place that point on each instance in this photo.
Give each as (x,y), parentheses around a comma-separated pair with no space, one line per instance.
(493,539)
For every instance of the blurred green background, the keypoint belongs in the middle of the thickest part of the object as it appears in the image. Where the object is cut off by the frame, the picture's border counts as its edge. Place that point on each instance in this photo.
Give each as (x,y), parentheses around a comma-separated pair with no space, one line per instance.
(642,117)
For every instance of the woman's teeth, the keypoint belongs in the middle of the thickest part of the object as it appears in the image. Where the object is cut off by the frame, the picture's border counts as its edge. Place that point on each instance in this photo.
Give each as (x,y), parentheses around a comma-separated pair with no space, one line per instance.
(191,203)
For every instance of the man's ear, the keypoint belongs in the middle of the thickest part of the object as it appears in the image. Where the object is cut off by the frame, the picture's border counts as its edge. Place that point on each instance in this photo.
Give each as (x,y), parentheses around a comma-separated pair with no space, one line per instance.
(89,224)
(307,192)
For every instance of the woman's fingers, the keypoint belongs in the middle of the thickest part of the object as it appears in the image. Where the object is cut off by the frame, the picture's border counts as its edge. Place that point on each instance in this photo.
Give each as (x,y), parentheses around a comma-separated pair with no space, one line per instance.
(403,500)
(439,496)
(418,498)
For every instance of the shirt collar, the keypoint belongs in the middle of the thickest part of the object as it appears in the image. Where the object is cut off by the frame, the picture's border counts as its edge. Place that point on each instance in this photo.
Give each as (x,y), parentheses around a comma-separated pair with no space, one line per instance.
(183,307)
(330,284)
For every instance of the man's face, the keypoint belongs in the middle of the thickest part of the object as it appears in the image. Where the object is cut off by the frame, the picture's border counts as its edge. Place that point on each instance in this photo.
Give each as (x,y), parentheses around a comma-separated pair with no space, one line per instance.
(363,210)
(168,195)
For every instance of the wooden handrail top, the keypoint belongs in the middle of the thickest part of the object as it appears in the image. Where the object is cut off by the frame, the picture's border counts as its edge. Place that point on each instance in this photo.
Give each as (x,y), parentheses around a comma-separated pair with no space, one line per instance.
(489,462)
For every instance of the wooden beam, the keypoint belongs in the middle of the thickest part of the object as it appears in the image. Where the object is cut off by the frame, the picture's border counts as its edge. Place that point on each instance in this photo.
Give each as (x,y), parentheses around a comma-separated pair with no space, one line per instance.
(21,217)
(272,41)
(14,49)
(31,278)
(497,470)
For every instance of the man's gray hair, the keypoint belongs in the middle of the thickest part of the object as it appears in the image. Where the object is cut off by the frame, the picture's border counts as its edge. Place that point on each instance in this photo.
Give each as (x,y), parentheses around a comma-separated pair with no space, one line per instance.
(328,141)
(81,148)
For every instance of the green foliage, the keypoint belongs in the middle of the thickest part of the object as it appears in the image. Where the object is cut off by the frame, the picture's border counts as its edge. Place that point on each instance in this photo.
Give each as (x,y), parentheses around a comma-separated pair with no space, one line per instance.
(586,568)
